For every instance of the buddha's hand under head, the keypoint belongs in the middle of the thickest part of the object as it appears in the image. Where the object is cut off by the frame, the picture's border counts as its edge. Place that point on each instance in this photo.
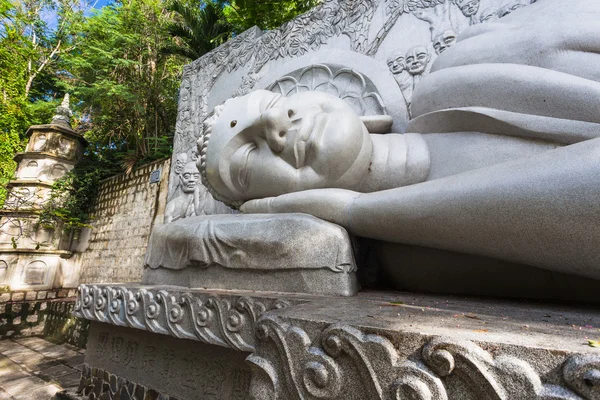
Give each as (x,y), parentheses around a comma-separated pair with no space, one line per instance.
(331,205)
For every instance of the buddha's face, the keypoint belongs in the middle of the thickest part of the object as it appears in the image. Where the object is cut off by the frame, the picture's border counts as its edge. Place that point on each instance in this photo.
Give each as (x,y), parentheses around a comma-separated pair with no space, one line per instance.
(416,60)
(264,144)
(468,7)
(396,64)
(443,41)
(189,178)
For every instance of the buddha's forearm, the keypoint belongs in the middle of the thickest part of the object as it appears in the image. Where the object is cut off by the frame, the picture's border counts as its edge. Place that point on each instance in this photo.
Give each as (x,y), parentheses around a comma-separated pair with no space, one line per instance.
(541,211)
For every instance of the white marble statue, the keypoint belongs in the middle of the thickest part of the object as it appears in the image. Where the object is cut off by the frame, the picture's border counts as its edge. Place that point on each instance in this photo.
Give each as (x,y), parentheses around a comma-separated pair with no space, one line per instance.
(501,159)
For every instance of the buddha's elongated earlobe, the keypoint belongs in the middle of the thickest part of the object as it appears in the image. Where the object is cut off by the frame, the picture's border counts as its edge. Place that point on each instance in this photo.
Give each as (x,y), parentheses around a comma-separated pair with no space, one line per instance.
(377,123)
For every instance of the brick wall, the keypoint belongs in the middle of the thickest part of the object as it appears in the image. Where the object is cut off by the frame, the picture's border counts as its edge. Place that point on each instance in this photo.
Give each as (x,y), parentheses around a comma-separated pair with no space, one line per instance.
(127,208)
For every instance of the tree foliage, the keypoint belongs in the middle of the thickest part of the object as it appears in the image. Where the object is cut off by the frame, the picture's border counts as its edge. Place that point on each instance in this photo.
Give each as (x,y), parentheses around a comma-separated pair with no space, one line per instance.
(199,25)
(30,56)
(266,14)
(122,66)
(127,85)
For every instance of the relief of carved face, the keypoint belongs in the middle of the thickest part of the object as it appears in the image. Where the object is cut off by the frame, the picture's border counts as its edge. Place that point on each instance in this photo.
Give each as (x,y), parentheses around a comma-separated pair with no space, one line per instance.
(488,15)
(417,59)
(444,40)
(189,178)
(468,7)
(180,162)
(509,8)
(396,64)
(264,144)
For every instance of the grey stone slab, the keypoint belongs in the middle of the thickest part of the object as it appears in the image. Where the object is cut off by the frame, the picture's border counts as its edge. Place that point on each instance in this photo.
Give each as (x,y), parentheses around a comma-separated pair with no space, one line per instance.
(10,371)
(25,387)
(68,381)
(74,361)
(46,348)
(55,371)
(25,357)
(45,392)
(182,368)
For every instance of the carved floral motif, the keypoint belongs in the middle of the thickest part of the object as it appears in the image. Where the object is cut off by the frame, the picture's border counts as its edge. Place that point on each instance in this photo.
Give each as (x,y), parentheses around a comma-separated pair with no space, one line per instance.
(345,362)
(223,320)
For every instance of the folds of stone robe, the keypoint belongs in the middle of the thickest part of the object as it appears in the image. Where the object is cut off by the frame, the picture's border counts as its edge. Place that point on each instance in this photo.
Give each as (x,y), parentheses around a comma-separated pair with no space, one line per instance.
(258,242)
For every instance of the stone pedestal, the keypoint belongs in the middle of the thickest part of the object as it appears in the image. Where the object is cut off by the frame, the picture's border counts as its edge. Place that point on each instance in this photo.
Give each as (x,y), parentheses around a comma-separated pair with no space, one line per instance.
(373,346)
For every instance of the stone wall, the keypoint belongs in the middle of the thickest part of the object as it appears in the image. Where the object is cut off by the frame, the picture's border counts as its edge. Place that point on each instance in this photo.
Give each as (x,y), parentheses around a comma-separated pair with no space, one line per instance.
(127,208)
(42,312)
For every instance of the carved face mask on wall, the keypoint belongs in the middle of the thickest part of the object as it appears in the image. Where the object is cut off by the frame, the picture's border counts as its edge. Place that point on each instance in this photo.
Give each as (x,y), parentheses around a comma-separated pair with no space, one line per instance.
(189,178)
(264,144)
(443,41)
(396,64)
(468,7)
(417,59)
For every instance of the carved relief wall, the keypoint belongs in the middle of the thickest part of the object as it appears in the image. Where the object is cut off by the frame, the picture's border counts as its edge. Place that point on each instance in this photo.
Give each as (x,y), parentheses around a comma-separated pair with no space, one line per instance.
(356,46)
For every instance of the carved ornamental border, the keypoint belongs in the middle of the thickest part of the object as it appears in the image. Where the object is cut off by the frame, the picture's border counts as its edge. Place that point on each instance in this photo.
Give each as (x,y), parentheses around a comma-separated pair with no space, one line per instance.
(220,319)
(346,362)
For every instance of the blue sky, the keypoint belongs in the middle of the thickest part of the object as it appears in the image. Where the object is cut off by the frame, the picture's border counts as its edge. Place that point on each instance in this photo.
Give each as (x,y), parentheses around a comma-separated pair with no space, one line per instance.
(101,3)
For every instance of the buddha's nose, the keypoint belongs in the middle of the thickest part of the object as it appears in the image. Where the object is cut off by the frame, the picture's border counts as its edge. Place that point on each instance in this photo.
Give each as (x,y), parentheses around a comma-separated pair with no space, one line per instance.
(276,123)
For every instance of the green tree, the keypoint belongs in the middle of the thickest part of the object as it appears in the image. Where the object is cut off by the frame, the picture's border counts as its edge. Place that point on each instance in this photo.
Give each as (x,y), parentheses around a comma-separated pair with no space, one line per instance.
(199,27)
(266,14)
(30,68)
(127,84)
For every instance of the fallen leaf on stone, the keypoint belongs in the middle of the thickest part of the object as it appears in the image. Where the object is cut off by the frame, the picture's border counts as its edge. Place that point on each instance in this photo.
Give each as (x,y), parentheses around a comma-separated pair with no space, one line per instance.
(480,330)
(472,317)
(395,303)
(594,343)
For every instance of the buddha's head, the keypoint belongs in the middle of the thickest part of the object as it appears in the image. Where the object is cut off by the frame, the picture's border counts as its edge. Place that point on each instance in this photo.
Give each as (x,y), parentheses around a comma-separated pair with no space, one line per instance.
(396,63)
(444,40)
(417,59)
(468,7)
(189,178)
(265,144)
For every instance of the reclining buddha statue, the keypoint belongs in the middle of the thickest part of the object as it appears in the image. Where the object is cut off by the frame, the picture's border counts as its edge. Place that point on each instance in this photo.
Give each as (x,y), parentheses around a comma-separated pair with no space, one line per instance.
(497,180)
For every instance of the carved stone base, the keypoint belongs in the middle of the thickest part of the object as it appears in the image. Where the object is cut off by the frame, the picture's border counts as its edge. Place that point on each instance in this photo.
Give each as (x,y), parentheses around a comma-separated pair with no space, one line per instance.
(125,360)
(372,346)
(385,346)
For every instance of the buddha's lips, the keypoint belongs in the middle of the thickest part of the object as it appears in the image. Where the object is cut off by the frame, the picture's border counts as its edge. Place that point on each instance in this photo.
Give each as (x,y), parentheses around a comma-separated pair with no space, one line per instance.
(305,136)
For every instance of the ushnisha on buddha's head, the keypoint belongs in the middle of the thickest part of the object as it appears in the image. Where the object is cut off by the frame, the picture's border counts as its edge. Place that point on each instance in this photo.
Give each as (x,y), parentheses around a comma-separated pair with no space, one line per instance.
(264,144)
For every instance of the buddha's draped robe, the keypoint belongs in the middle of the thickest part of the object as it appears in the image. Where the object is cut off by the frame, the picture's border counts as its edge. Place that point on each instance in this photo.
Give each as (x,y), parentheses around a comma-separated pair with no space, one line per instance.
(532,74)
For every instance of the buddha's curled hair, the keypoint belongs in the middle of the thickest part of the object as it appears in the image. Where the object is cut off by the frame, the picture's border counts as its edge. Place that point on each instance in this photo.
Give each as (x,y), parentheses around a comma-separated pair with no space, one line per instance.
(202,145)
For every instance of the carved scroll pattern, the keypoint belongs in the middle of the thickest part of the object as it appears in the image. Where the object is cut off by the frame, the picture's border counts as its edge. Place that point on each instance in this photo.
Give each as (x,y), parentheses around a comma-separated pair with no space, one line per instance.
(223,320)
(323,370)
(289,365)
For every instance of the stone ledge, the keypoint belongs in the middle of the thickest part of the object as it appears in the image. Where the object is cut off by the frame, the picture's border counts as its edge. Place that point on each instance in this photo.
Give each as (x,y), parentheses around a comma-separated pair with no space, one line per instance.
(220,318)
(375,345)
(398,346)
